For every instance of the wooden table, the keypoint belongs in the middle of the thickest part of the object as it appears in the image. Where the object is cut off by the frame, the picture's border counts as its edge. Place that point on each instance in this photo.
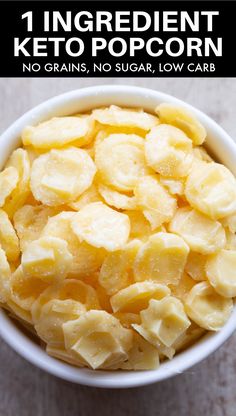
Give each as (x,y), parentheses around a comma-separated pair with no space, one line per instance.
(207,389)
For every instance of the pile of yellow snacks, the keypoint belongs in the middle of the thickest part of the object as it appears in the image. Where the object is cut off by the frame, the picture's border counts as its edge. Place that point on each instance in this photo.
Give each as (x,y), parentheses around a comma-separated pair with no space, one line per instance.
(117,235)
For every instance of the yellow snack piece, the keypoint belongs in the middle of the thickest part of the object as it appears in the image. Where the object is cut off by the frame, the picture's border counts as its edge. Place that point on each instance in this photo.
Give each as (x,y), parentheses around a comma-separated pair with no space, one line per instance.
(52,317)
(116,270)
(202,234)
(59,226)
(103,297)
(195,266)
(79,292)
(19,160)
(57,305)
(90,195)
(24,290)
(29,222)
(162,259)
(125,117)
(142,356)
(174,186)
(68,289)
(165,319)
(19,313)
(47,258)
(184,286)
(163,350)
(191,335)
(221,272)
(211,189)
(8,181)
(120,161)
(5,274)
(117,199)
(61,354)
(58,132)
(106,130)
(168,151)
(208,309)
(60,176)
(101,226)
(183,119)
(128,318)
(8,238)
(98,338)
(101,135)
(139,225)
(136,297)
(86,258)
(157,204)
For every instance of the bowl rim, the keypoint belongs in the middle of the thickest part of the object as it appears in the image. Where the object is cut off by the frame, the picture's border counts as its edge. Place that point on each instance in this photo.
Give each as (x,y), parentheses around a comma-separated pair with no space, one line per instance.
(22,344)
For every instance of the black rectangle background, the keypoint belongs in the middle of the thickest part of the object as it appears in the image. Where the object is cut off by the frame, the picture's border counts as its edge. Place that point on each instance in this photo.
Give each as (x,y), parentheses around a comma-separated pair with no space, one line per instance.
(11,25)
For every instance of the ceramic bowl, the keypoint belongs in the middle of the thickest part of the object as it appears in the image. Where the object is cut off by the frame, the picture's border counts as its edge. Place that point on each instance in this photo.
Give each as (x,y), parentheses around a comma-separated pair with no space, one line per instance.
(218,142)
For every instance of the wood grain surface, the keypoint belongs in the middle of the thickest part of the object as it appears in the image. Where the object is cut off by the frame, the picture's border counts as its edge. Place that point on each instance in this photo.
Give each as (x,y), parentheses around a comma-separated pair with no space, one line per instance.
(209,388)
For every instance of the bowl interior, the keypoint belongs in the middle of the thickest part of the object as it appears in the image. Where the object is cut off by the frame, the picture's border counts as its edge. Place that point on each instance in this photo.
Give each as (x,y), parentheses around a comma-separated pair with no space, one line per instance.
(218,143)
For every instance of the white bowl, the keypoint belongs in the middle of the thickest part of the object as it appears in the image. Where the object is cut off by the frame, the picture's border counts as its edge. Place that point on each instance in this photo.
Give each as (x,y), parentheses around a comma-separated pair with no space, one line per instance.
(218,143)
